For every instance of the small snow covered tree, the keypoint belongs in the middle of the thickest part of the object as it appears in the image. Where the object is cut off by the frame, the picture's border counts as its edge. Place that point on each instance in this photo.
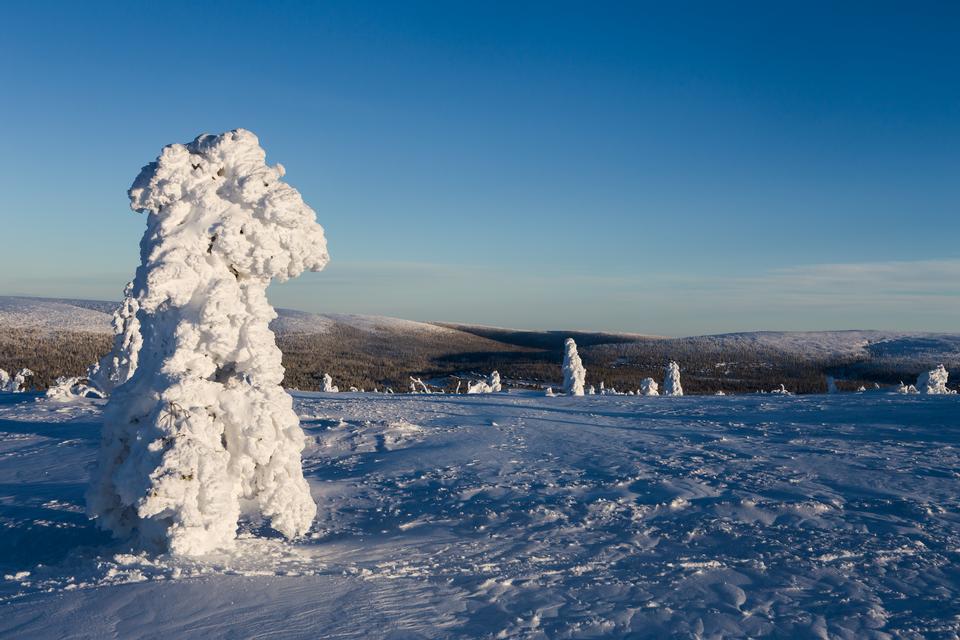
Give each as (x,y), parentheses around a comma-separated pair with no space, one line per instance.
(490,385)
(574,375)
(203,425)
(934,382)
(118,366)
(19,384)
(4,379)
(671,383)
(649,387)
(326,384)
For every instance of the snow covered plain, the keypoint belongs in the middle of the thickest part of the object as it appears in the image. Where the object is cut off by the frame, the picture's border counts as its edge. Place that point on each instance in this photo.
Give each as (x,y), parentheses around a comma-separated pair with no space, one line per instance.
(514,515)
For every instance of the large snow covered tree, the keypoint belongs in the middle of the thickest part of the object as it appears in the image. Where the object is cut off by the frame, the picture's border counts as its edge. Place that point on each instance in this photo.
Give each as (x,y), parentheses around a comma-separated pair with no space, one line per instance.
(203,430)
(671,382)
(574,374)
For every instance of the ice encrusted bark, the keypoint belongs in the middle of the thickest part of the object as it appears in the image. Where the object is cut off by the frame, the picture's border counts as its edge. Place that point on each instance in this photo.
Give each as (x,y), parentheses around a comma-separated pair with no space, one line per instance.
(934,382)
(671,382)
(574,375)
(203,430)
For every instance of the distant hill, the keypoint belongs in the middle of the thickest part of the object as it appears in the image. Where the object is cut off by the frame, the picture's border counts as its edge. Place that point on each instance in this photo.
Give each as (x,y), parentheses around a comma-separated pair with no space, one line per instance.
(62,336)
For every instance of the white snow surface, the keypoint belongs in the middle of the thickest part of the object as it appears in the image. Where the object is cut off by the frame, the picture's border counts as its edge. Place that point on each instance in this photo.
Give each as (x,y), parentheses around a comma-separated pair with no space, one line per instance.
(574,375)
(203,431)
(518,516)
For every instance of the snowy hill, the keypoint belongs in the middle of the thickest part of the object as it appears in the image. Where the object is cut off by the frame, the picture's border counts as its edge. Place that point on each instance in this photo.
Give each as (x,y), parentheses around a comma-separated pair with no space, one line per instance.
(519,516)
(367,351)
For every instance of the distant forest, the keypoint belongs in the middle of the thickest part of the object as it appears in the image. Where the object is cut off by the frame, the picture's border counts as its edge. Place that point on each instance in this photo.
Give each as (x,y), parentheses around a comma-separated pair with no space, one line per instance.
(525,359)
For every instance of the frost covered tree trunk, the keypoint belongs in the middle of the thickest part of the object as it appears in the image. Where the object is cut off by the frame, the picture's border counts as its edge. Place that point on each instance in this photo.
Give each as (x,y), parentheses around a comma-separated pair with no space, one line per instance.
(574,375)
(671,382)
(203,425)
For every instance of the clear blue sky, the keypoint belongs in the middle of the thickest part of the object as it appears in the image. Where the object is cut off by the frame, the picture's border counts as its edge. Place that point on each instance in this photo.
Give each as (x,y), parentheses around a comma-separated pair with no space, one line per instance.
(707,167)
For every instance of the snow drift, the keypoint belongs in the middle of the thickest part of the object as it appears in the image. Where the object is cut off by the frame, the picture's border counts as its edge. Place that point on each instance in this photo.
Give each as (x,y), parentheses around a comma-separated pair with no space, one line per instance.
(203,425)
(574,374)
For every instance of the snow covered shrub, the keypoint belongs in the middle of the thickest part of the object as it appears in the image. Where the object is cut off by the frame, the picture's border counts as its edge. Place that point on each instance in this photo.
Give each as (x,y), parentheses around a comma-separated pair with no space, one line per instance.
(118,366)
(671,382)
(934,382)
(203,424)
(490,385)
(418,386)
(67,388)
(550,393)
(18,383)
(782,390)
(649,387)
(574,374)
(4,379)
(327,386)
(905,388)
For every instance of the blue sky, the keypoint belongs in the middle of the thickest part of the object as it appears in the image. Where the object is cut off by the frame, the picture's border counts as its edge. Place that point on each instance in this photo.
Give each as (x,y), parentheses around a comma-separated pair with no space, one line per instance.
(701,168)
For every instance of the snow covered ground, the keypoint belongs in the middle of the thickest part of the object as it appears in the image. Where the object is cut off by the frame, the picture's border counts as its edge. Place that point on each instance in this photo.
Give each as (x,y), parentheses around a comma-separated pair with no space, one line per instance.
(515,515)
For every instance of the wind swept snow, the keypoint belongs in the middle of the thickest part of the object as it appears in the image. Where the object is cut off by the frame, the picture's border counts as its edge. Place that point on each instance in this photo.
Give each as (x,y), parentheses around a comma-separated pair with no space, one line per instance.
(514,515)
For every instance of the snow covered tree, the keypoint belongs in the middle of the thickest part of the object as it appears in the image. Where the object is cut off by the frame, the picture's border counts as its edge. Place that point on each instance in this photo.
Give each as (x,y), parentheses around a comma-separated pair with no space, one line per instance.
(671,382)
(490,385)
(934,382)
(327,386)
(574,374)
(831,385)
(4,379)
(649,387)
(118,366)
(203,424)
(18,383)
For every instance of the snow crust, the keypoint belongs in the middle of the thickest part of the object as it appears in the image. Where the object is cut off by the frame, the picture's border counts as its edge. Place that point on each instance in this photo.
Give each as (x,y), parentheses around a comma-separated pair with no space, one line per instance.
(202,432)
(519,516)
(934,382)
(671,381)
(574,375)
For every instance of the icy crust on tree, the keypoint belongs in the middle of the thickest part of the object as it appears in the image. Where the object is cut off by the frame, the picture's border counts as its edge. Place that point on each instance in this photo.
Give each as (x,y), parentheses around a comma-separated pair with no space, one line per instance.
(934,382)
(490,385)
(203,432)
(671,382)
(574,375)
(118,366)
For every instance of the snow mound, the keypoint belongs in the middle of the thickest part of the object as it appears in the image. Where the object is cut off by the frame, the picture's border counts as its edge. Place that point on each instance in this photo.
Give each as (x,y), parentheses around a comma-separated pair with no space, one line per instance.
(203,424)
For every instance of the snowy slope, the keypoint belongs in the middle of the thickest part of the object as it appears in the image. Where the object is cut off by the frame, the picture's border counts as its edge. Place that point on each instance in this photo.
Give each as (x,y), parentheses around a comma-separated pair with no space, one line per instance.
(515,515)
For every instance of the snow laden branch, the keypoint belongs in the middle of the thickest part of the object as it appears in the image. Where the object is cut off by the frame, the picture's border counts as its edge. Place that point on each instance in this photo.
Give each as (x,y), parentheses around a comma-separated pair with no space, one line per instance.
(203,425)
(574,375)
